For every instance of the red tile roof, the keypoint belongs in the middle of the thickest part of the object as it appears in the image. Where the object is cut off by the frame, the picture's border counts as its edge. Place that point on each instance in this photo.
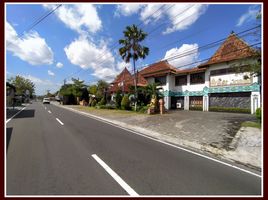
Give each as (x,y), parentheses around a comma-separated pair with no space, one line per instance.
(162,67)
(189,71)
(233,48)
(124,80)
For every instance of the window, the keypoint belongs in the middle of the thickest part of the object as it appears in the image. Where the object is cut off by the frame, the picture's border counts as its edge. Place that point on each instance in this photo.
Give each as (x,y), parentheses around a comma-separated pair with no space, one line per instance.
(197,78)
(181,80)
(222,71)
(161,80)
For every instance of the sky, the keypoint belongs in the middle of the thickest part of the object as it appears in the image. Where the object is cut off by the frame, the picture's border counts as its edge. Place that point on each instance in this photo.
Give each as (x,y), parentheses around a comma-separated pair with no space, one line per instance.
(81,40)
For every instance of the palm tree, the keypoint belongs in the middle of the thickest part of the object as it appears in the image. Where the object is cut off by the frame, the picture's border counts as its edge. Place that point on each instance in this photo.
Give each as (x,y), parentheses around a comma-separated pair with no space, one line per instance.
(132,49)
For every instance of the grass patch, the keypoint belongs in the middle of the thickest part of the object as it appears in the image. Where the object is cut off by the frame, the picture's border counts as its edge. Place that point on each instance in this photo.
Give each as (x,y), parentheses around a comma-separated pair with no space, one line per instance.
(251,124)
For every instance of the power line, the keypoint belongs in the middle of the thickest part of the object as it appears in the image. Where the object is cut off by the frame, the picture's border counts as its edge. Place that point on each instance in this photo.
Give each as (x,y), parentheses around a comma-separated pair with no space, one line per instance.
(102,62)
(170,43)
(115,44)
(200,61)
(43,17)
(39,20)
(212,44)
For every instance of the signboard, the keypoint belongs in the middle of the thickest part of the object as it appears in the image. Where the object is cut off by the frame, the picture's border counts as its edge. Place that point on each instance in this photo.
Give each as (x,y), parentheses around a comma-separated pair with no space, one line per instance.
(230,79)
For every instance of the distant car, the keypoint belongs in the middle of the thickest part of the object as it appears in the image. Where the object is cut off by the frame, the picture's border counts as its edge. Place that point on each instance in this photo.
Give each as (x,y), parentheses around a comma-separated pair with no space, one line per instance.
(46,100)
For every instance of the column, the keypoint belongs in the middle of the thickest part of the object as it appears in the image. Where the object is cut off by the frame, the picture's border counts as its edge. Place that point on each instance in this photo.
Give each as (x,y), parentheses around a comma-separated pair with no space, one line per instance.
(205,103)
(255,101)
(186,102)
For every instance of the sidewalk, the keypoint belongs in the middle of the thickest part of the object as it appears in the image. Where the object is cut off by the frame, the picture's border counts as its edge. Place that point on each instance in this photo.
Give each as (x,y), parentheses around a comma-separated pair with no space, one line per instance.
(219,134)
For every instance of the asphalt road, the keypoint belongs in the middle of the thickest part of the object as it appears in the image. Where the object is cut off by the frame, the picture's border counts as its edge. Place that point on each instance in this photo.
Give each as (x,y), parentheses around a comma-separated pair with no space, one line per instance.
(49,152)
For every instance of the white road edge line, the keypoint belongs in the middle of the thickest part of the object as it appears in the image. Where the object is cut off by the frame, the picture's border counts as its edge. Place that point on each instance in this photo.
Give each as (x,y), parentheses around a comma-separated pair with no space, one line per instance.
(59,121)
(163,142)
(116,177)
(49,111)
(14,115)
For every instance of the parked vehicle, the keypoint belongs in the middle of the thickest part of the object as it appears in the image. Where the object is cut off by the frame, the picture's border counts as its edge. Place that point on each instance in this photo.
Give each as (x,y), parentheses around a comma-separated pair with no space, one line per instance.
(46,100)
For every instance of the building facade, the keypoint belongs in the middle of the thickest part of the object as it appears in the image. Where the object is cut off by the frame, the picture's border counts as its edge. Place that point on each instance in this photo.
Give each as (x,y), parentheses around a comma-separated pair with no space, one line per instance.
(213,85)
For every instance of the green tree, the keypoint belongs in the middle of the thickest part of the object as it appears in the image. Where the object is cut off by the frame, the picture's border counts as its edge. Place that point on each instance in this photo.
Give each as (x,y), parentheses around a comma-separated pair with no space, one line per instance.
(22,85)
(92,89)
(125,103)
(253,67)
(118,99)
(102,87)
(77,87)
(132,49)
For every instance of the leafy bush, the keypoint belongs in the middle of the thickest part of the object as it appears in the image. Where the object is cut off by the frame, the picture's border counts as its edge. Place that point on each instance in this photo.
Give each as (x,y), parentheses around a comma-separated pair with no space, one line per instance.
(94,103)
(235,110)
(258,113)
(118,99)
(102,101)
(142,109)
(125,103)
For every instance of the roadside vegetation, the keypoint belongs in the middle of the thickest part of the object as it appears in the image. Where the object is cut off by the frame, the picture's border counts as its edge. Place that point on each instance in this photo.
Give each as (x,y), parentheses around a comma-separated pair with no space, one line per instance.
(256,124)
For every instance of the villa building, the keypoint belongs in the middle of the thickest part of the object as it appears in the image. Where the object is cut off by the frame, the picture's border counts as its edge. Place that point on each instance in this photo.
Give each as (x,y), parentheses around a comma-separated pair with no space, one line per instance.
(213,84)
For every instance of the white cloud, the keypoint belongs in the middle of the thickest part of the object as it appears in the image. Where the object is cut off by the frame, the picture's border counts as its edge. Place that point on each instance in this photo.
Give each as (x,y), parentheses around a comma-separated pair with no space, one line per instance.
(182,16)
(50,73)
(249,15)
(127,9)
(187,53)
(122,65)
(59,65)
(41,86)
(79,17)
(87,55)
(152,12)
(31,47)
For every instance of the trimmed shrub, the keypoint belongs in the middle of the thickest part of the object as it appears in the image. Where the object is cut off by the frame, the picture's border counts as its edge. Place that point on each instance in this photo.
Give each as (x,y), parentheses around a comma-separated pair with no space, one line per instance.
(196,108)
(143,109)
(235,110)
(118,99)
(125,103)
(94,103)
(258,113)
(102,101)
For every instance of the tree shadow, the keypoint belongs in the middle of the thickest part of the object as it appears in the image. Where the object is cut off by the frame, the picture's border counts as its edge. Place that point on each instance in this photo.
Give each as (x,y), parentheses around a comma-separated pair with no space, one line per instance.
(25,114)
(8,136)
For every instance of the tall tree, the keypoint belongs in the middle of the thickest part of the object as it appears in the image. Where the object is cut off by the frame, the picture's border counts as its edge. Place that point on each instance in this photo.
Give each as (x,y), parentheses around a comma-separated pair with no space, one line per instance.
(102,87)
(77,87)
(132,49)
(22,85)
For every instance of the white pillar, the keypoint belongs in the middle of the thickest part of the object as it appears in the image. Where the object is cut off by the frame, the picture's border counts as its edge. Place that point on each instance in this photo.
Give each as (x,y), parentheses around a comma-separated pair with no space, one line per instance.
(186,103)
(205,103)
(167,102)
(255,101)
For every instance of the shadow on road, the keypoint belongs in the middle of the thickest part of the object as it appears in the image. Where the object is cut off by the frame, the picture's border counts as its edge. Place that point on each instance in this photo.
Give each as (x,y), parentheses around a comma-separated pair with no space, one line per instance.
(10,112)
(8,136)
(25,114)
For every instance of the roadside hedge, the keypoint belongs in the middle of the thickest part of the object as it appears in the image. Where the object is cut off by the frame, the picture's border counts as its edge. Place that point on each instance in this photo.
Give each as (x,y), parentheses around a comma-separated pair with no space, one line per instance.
(230,109)
(196,108)
(125,103)
(258,113)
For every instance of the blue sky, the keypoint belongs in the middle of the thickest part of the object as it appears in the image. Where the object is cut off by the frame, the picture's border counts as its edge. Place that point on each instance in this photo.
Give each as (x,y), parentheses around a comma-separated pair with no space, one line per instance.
(81,40)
